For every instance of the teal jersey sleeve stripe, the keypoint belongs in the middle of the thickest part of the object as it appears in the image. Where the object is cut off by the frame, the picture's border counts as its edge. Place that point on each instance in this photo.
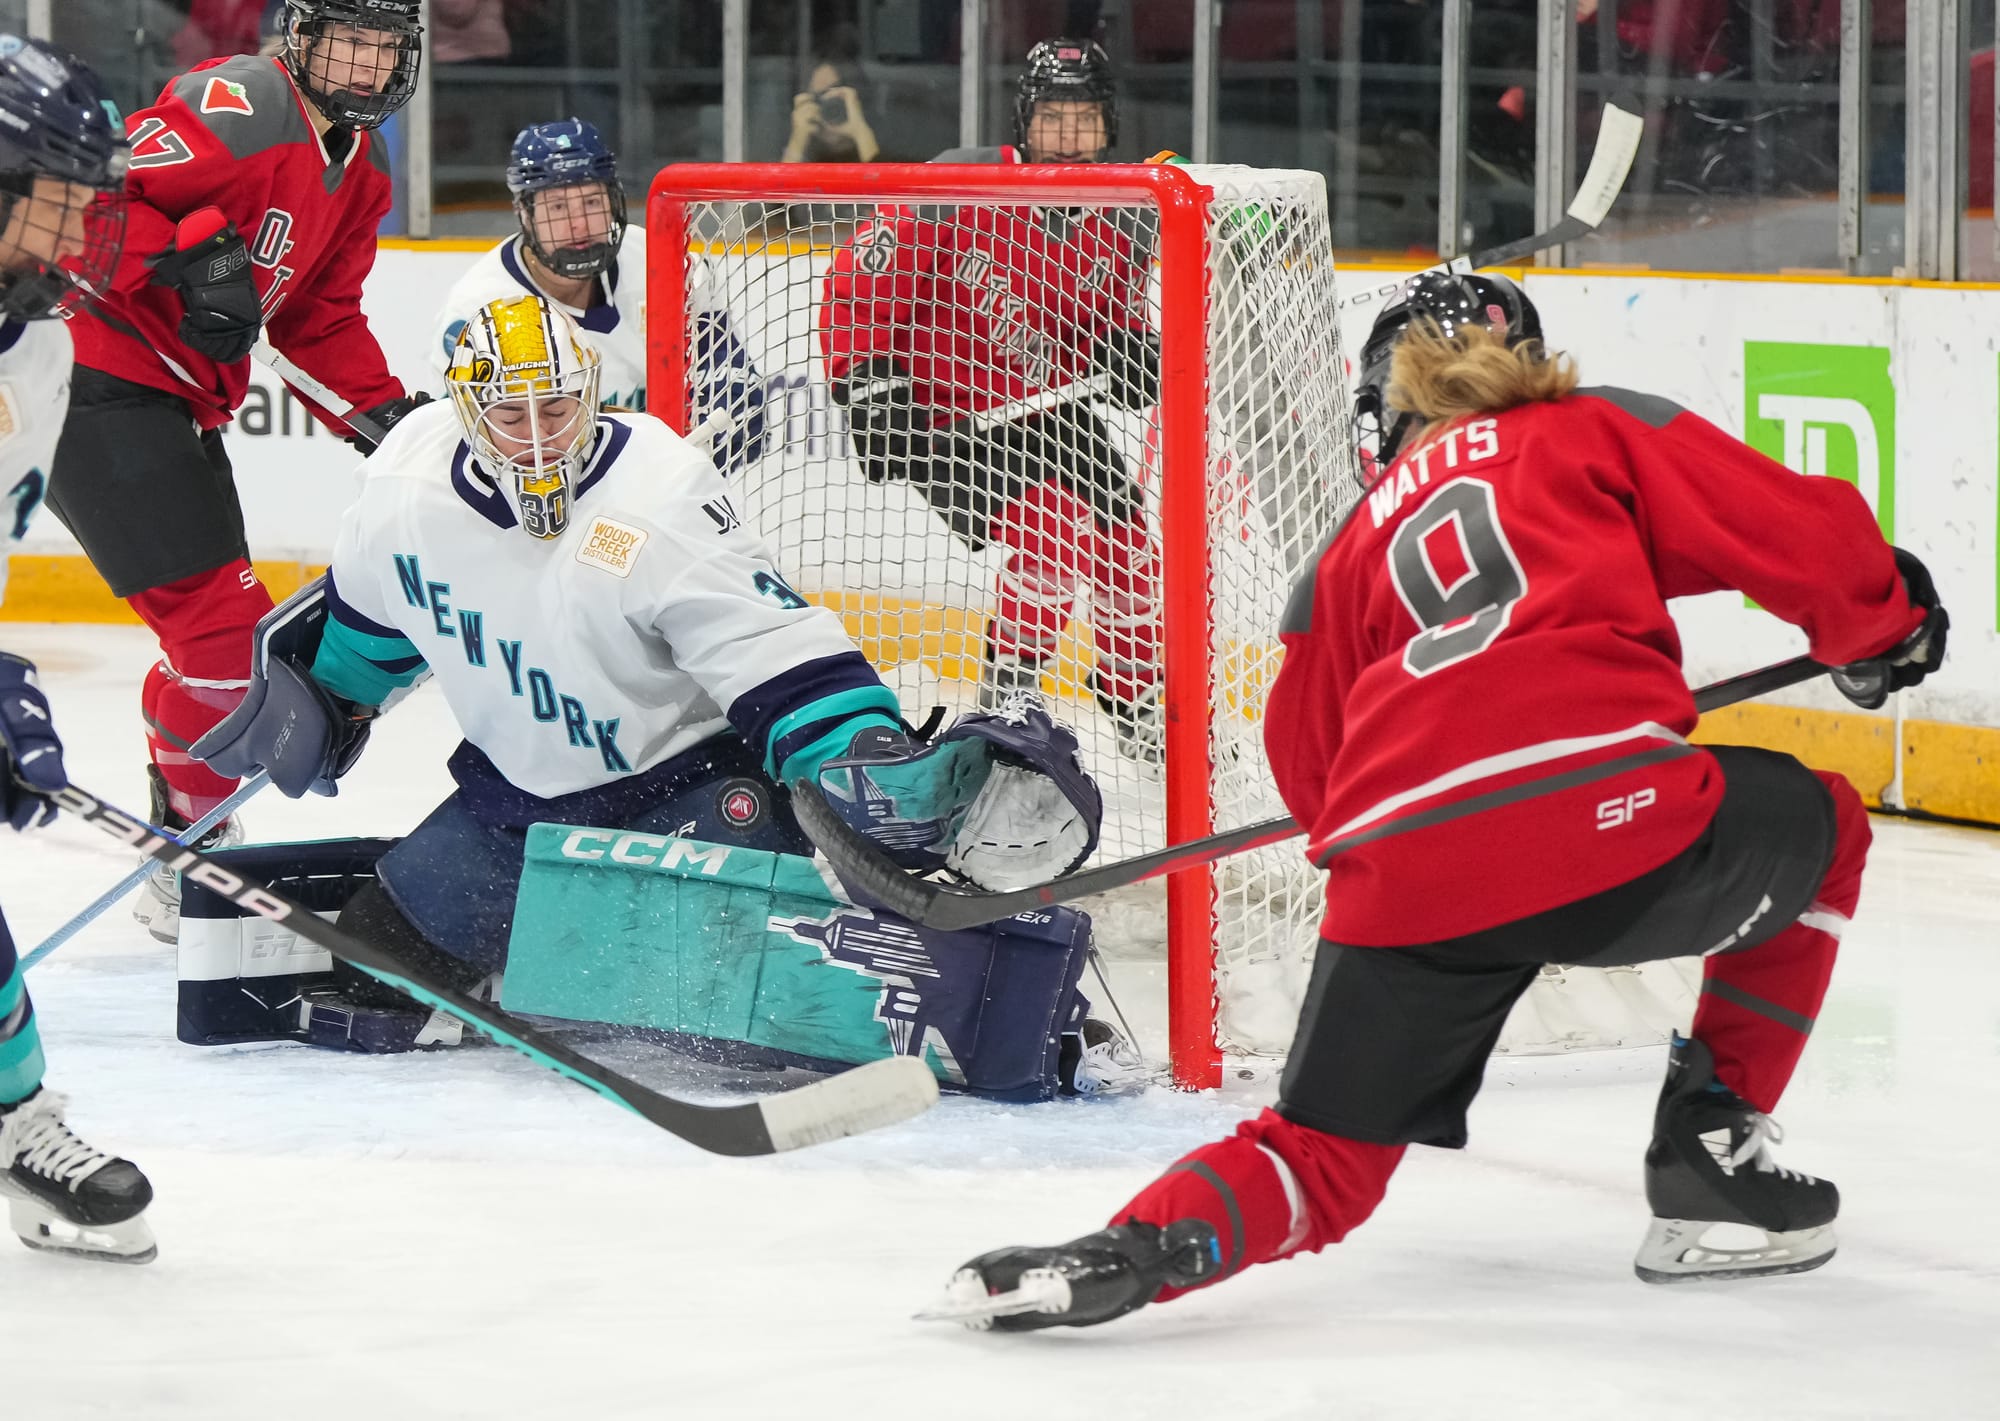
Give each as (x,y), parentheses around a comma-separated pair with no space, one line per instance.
(20,1044)
(805,762)
(364,668)
(838,706)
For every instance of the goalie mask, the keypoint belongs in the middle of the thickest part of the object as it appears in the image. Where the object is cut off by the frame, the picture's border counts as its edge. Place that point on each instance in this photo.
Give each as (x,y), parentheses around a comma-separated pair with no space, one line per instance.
(566,193)
(1451,301)
(526,392)
(356,59)
(62,181)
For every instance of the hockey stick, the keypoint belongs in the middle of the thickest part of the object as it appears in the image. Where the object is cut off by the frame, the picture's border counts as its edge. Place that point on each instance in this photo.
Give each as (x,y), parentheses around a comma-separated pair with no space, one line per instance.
(319,394)
(1618,135)
(879,1093)
(237,798)
(864,867)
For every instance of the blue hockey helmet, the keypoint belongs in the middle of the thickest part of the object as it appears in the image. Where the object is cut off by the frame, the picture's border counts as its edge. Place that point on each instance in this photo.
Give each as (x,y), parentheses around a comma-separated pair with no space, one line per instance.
(57,122)
(575,237)
(320,50)
(1451,301)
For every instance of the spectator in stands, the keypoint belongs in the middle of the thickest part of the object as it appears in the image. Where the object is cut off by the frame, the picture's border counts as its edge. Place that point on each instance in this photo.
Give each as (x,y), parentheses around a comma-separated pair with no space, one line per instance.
(469,32)
(828,125)
(219,27)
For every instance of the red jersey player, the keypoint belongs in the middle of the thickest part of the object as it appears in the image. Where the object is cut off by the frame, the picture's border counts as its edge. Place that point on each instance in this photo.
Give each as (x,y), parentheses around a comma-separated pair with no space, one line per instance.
(966,344)
(1485,733)
(256,188)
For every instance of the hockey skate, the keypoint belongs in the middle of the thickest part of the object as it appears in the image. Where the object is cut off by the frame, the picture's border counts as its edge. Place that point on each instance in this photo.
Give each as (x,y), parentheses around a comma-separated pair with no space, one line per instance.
(1098,1060)
(158,908)
(63,1195)
(1006,673)
(1081,1283)
(1139,723)
(1708,1171)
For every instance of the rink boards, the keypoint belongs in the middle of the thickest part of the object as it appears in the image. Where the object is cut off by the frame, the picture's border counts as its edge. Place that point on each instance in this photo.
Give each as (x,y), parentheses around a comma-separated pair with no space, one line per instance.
(1893,386)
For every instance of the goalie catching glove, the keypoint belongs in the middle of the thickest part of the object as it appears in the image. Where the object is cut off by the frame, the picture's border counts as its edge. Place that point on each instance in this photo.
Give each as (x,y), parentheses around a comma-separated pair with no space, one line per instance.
(1868,683)
(288,724)
(1000,798)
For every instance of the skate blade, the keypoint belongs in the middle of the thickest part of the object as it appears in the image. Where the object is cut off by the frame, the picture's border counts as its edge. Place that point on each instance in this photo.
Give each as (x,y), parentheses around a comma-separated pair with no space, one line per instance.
(1676,1251)
(46,1232)
(966,1301)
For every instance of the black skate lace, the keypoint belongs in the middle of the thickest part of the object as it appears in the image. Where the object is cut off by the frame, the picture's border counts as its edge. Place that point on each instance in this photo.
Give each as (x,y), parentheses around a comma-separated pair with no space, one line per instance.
(1762,1132)
(42,1143)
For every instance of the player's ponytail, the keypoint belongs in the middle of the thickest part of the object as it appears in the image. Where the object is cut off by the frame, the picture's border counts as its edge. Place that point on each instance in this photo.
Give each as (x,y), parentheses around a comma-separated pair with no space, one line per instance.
(1474,371)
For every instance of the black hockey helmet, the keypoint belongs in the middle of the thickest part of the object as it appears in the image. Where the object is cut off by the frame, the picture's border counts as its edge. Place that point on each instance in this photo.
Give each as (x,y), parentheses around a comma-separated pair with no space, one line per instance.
(57,120)
(1453,301)
(1066,70)
(311,46)
(567,152)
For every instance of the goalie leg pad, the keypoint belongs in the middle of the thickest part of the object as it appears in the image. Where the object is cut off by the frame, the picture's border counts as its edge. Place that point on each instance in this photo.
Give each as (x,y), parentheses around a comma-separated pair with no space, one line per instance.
(242,976)
(756,955)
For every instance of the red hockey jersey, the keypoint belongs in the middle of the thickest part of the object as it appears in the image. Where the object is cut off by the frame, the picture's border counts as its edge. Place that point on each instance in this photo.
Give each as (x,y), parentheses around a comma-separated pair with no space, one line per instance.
(984,305)
(233,134)
(1482,706)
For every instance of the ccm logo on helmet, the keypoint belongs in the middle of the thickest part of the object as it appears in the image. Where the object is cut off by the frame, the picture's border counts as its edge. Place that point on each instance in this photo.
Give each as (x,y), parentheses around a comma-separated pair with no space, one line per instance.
(644,850)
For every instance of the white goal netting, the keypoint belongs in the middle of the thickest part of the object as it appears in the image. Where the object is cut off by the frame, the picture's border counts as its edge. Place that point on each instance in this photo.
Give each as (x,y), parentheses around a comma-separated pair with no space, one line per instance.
(968,450)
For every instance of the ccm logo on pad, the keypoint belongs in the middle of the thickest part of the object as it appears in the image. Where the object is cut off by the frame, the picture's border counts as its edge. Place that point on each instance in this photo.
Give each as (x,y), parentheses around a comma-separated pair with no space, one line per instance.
(644,850)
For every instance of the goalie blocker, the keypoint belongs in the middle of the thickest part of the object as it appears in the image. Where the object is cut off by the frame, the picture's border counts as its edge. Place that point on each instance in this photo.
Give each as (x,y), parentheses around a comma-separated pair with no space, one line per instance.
(717,950)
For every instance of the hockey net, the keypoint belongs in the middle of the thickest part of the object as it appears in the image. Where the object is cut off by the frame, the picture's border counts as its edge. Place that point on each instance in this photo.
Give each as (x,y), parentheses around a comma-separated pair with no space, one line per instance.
(1158,569)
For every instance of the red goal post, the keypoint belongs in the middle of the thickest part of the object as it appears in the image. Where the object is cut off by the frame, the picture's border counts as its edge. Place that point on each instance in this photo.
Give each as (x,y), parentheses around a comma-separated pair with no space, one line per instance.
(712,218)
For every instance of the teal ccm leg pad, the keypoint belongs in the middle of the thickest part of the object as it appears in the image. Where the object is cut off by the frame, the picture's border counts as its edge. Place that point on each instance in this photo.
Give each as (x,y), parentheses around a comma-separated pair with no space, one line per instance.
(731,945)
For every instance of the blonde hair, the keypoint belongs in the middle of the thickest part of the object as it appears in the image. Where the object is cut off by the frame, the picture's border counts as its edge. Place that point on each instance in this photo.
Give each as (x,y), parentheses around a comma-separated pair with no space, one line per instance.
(1438,378)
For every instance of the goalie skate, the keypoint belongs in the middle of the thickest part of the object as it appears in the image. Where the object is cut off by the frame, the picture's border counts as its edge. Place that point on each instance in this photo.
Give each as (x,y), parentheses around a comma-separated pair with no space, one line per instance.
(65,1196)
(1722,1208)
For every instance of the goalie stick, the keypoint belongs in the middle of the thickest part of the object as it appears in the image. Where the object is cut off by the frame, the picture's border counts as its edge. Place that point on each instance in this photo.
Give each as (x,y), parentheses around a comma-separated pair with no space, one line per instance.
(866,869)
(1618,135)
(879,1093)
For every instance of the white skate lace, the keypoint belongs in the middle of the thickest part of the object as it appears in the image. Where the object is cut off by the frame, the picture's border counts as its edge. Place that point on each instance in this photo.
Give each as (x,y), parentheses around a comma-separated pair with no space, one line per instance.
(34,1136)
(1764,1132)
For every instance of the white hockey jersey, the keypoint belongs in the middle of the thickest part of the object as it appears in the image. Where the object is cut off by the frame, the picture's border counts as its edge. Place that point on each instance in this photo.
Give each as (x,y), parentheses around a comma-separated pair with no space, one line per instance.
(578,660)
(35,361)
(616,330)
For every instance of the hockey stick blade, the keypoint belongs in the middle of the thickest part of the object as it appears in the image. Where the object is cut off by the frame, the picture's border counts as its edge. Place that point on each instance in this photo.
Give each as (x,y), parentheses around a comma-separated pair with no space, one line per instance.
(865,1098)
(1618,134)
(874,876)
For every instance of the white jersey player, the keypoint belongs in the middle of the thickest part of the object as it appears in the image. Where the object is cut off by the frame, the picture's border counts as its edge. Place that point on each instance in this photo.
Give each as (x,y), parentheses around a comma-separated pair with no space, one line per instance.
(63,157)
(576,249)
(619,650)
(35,359)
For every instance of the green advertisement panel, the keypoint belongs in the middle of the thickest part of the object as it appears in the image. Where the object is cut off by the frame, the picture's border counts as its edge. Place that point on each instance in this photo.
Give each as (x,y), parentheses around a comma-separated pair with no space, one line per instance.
(1826,410)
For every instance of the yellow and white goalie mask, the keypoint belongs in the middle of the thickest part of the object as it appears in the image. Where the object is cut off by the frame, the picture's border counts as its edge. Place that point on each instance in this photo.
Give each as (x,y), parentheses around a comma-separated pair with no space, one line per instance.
(526,391)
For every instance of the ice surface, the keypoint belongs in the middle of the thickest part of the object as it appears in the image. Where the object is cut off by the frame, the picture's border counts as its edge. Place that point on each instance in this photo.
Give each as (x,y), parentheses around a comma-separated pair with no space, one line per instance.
(465,1236)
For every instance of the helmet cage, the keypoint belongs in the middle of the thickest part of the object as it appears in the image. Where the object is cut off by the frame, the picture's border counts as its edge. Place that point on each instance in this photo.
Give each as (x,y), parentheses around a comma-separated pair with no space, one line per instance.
(505,374)
(36,287)
(312,46)
(583,259)
(1066,71)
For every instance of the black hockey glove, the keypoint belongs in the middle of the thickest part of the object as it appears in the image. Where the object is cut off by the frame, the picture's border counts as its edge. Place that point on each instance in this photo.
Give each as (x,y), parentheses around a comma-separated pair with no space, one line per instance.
(210,267)
(1131,357)
(1868,683)
(385,417)
(892,433)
